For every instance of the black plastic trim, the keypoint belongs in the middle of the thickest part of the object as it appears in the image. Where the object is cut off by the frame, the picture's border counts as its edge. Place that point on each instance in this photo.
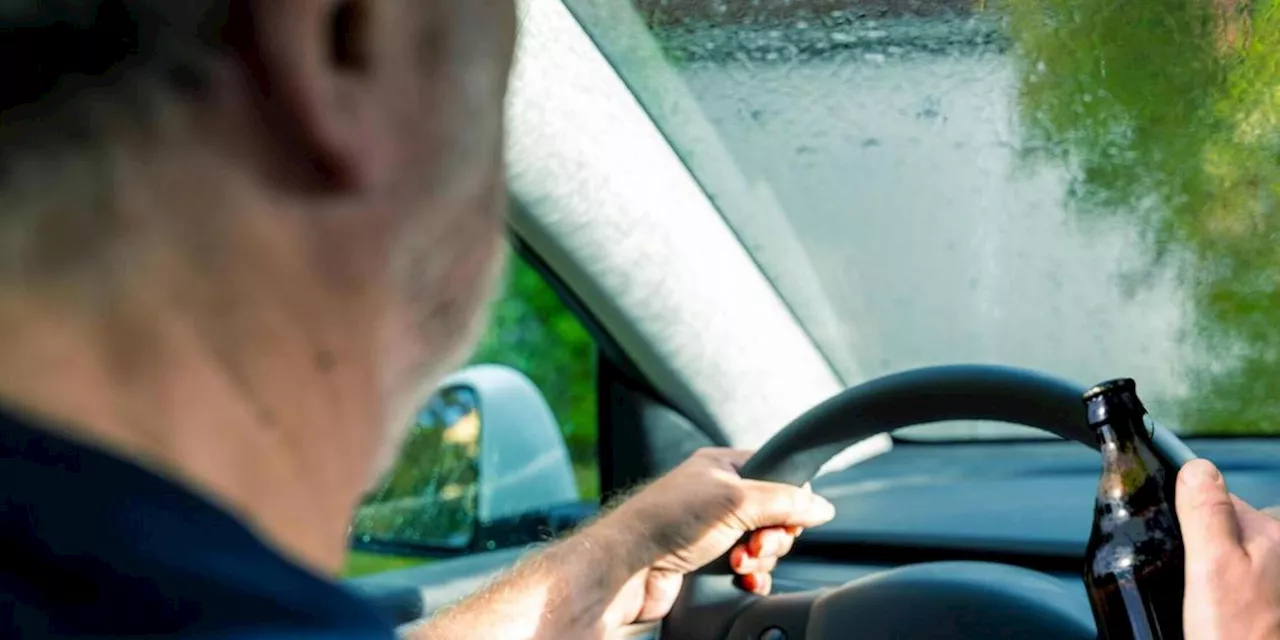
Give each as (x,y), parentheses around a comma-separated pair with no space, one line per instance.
(605,342)
(646,437)
(615,373)
(813,547)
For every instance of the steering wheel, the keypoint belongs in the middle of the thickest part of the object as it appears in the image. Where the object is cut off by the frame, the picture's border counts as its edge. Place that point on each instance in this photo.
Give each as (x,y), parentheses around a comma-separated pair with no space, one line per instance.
(953,600)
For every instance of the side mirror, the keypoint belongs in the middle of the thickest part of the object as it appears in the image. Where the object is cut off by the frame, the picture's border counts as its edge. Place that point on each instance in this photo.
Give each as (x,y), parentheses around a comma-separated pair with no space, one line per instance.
(484,466)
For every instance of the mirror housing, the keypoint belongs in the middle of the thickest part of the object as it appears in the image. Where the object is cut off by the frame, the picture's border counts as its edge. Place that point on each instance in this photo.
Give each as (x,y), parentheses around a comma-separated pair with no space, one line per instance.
(483,467)
(524,464)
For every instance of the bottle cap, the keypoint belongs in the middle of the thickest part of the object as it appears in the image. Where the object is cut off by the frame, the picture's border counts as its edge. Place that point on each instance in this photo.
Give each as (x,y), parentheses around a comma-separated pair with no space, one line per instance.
(1111,399)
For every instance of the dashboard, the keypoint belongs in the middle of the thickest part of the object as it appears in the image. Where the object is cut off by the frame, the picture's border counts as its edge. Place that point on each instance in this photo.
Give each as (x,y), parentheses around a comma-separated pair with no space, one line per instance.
(1027,504)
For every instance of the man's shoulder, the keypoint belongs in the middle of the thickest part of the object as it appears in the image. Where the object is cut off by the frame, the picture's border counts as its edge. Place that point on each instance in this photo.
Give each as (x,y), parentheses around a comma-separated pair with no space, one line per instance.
(92,546)
(31,620)
(112,596)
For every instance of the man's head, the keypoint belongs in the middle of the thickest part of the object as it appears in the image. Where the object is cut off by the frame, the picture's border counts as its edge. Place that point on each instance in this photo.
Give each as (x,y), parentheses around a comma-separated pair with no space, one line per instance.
(303,192)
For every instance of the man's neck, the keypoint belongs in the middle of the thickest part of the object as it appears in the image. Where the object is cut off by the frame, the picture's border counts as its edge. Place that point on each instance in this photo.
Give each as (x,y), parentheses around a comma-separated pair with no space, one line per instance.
(255,433)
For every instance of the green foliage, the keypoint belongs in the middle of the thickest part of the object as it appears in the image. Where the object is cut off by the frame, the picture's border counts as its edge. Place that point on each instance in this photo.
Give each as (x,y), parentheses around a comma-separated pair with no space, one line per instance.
(1166,112)
(430,495)
(363,563)
(532,331)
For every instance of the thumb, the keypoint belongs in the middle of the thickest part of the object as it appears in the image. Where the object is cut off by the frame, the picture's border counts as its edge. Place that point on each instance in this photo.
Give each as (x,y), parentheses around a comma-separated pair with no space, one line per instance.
(771,504)
(1208,518)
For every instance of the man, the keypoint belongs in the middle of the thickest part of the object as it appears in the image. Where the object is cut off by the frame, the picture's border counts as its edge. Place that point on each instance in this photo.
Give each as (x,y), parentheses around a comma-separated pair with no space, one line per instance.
(239,241)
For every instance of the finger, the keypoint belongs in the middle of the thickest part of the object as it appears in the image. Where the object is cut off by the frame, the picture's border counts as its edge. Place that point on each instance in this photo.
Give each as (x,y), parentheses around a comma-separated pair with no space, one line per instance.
(1254,523)
(1243,508)
(750,565)
(796,530)
(764,583)
(730,457)
(757,583)
(767,504)
(774,541)
(1206,512)
(744,563)
(738,557)
(725,457)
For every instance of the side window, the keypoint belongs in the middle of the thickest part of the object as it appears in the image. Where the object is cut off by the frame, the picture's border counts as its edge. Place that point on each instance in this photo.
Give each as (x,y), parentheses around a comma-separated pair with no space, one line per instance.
(529,391)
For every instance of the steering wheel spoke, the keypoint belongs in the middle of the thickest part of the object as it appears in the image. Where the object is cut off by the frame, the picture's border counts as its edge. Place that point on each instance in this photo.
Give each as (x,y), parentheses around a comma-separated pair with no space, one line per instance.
(782,617)
(712,606)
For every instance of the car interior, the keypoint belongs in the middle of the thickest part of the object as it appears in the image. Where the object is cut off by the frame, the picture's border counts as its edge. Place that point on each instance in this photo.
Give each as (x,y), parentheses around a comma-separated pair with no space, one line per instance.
(886,245)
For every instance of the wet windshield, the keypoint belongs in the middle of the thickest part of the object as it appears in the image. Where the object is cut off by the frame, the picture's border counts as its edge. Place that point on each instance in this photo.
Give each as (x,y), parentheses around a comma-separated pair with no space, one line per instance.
(1078,186)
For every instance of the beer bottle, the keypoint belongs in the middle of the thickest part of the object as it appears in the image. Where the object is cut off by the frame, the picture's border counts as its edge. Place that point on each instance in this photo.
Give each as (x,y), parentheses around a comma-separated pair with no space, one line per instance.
(1134,561)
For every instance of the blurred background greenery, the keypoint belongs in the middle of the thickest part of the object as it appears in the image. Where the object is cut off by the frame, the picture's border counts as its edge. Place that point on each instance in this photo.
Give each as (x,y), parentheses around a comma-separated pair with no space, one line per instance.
(1166,113)
(533,332)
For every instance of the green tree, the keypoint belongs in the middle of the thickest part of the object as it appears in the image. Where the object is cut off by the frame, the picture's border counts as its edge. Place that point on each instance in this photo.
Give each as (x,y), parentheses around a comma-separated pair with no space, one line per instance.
(1165,111)
(533,332)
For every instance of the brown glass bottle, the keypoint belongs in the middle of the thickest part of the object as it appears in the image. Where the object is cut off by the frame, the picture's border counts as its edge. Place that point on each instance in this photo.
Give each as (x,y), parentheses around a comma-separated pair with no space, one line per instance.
(1134,561)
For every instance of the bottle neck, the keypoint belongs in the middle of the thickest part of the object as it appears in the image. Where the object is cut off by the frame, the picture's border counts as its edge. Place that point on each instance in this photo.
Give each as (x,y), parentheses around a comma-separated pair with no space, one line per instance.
(1120,435)
(1129,463)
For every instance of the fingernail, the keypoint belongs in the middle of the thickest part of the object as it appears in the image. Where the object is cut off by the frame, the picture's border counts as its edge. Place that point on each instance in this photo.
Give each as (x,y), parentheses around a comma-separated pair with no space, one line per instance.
(822,509)
(764,583)
(1200,473)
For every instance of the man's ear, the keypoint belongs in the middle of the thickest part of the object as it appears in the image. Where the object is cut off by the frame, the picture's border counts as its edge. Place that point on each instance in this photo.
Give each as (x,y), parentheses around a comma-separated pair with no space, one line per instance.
(311,63)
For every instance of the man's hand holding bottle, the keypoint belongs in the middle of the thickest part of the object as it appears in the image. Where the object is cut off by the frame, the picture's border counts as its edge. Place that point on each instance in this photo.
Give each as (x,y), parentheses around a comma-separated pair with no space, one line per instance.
(1233,560)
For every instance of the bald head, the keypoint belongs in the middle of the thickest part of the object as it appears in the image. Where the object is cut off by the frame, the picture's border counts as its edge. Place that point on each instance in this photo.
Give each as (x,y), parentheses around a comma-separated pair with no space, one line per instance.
(314,74)
(298,203)
(358,133)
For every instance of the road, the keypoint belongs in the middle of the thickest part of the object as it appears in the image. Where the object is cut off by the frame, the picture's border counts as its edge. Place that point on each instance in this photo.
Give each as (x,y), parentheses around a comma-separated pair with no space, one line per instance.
(902,164)
(675,12)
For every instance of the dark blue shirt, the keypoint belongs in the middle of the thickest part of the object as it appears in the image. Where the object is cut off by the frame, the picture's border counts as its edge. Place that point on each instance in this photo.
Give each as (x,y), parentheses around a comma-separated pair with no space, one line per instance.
(92,546)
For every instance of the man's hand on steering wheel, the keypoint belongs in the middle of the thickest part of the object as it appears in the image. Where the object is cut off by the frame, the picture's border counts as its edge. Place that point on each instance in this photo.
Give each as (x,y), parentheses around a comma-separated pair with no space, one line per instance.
(697,513)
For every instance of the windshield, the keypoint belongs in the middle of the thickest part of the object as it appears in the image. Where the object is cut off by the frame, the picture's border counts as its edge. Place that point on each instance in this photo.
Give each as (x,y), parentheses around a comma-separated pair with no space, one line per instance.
(1077,186)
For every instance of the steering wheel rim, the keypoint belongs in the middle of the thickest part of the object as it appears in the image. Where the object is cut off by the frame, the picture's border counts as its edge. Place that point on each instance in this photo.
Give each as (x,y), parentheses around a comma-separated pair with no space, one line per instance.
(930,395)
(708,604)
